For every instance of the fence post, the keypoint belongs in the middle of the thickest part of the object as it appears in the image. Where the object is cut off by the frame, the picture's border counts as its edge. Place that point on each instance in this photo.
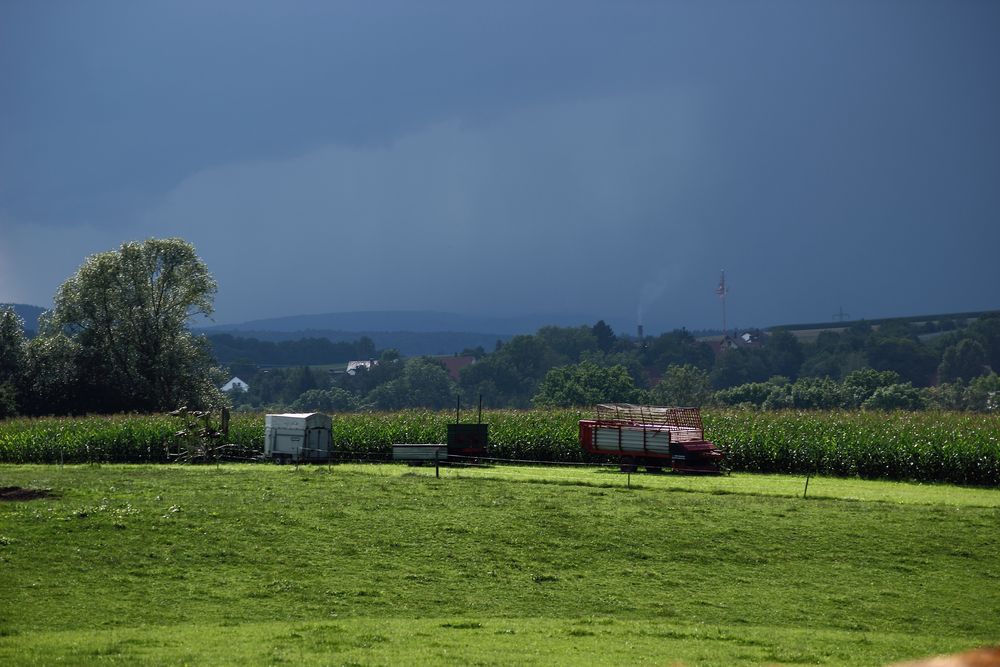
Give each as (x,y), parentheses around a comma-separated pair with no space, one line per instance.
(809,472)
(437,469)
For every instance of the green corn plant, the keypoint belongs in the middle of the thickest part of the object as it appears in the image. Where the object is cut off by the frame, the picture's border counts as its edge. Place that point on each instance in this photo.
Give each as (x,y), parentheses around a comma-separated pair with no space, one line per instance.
(961,448)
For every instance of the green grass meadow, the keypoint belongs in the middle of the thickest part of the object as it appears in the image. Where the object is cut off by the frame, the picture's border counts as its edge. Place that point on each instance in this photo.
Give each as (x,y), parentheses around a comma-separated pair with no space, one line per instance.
(387,564)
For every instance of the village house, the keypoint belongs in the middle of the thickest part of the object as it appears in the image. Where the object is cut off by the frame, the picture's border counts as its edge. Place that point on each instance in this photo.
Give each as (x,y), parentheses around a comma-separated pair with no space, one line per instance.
(236,384)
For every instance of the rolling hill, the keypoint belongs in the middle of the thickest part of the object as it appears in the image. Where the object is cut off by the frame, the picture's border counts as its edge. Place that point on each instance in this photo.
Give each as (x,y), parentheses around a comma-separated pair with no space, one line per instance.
(29,314)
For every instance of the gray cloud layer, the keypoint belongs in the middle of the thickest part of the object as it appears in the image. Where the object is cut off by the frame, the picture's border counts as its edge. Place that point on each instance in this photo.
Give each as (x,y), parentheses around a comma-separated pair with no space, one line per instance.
(600,158)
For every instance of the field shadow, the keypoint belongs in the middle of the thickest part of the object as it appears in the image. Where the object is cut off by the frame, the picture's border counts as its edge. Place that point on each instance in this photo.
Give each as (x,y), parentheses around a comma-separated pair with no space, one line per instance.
(19,494)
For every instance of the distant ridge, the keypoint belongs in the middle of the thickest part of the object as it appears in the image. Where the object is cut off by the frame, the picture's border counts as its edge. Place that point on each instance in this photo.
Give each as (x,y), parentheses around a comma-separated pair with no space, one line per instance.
(882,320)
(28,313)
(409,343)
(416,321)
(412,332)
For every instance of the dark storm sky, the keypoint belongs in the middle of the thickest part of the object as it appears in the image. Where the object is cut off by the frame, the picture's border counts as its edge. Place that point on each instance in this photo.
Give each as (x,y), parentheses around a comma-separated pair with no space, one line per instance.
(601,158)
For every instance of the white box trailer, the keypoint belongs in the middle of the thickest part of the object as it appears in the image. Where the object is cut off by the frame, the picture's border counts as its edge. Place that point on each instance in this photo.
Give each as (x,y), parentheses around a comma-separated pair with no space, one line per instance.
(298,436)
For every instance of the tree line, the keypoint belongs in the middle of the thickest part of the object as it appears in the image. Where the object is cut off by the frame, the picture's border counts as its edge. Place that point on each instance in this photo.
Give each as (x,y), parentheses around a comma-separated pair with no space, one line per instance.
(117,340)
(892,366)
(233,350)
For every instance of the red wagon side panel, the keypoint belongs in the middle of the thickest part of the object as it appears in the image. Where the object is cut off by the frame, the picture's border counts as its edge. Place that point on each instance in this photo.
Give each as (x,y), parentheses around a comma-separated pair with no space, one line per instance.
(655,436)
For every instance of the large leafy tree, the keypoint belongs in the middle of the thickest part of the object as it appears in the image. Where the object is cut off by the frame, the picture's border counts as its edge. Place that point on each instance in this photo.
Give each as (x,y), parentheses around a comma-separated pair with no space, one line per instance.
(677,348)
(52,379)
(568,344)
(963,361)
(685,385)
(914,362)
(740,366)
(509,376)
(586,383)
(423,384)
(605,336)
(987,331)
(127,310)
(11,345)
(12,355)
(784,354)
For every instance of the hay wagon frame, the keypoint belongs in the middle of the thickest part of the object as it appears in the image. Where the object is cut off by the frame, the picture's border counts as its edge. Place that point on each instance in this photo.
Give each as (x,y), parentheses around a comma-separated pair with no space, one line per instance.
(651,436)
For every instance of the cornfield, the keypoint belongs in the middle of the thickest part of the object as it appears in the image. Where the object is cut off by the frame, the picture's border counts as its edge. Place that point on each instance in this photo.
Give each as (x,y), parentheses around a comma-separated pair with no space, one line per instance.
(961,448)
(956,447)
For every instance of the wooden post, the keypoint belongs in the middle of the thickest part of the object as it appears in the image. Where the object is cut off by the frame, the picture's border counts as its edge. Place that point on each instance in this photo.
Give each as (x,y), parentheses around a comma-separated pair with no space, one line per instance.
(809,473)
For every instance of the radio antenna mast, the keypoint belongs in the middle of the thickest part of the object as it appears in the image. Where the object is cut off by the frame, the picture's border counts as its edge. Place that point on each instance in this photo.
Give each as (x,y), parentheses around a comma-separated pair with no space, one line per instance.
(722,291)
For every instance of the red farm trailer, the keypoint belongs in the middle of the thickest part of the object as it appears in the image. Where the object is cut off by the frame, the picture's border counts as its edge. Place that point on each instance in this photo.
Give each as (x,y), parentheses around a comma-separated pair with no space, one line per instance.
(653,437)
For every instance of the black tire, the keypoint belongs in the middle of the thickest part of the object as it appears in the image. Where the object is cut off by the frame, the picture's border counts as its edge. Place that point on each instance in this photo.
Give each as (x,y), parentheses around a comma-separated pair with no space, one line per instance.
(628,464)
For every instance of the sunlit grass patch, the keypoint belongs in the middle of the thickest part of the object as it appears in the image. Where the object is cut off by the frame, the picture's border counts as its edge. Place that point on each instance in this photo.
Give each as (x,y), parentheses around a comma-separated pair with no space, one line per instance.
(388,564)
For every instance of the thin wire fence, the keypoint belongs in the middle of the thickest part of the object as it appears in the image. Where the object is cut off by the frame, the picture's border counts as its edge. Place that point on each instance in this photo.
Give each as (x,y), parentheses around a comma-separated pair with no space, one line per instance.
(323,456)
(480,467)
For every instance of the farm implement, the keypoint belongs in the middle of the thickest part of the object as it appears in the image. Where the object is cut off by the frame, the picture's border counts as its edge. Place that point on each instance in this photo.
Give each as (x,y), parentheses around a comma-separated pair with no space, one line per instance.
(653,437)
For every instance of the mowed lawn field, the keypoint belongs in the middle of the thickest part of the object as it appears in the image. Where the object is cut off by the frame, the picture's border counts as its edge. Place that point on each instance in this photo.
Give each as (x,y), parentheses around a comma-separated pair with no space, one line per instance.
(385,564)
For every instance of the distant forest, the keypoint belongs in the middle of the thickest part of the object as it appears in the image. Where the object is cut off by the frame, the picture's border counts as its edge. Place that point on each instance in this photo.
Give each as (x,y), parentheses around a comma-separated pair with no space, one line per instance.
(229,349)
(942,362)
(905,363)
(410,343)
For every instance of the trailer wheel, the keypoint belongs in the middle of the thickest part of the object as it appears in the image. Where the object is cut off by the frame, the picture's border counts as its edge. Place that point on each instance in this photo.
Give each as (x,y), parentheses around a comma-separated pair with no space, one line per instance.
(628,464)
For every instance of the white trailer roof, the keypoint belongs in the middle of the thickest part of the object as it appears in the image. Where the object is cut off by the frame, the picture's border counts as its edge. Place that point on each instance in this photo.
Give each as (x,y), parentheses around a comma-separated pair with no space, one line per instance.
(298,420)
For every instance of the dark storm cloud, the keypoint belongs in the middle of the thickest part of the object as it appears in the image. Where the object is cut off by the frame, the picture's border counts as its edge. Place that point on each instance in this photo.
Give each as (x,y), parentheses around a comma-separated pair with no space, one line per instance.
(595,157)
(130,98)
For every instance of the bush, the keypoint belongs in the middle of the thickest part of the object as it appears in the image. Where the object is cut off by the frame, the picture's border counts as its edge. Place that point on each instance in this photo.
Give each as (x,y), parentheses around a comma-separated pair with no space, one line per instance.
(859,385)
(326,400)
(983,394)
(817,394)
(896,397)
(755,393)
(946,396)
(780,398)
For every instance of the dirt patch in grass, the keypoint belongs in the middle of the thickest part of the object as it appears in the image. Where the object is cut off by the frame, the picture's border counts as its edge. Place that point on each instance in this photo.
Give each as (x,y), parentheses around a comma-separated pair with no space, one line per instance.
(17,493)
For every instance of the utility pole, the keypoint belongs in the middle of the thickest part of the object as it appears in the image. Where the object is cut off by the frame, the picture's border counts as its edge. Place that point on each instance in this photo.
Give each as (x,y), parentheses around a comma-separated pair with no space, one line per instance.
(722,291)
(840,315)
